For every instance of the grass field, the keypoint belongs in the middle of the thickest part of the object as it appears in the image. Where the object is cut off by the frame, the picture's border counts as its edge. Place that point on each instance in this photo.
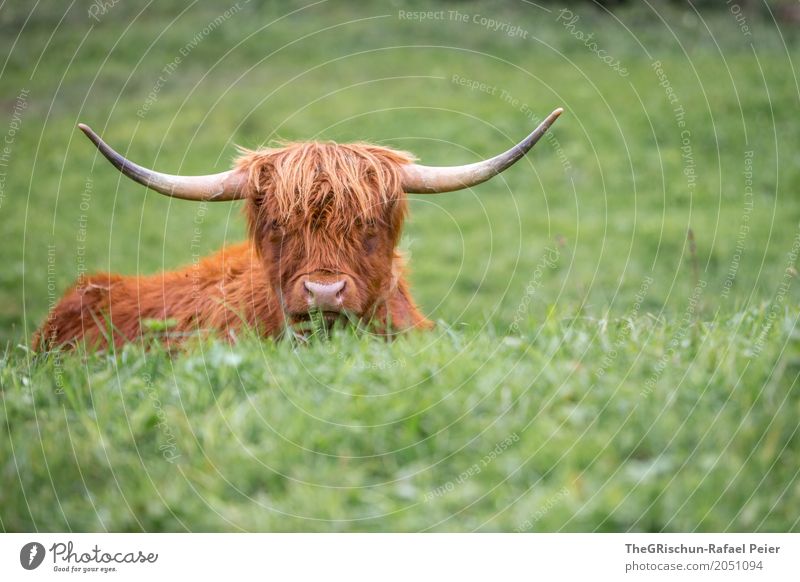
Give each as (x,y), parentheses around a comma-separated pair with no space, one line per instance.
(617,343)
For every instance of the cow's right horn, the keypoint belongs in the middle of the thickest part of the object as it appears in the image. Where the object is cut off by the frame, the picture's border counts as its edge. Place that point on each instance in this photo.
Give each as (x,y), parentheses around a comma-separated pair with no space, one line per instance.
(419,179)
(214,187)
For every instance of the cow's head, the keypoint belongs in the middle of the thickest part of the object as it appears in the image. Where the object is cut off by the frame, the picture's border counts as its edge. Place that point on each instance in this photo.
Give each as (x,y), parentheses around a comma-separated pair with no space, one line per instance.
(325,218)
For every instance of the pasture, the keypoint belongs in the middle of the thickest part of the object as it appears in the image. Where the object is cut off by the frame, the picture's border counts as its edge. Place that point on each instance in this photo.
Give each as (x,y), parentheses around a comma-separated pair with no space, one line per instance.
(616,344)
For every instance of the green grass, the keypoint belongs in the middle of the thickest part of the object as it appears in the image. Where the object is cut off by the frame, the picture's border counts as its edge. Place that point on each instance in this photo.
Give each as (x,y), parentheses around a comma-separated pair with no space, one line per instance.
(630,401)
(570,427)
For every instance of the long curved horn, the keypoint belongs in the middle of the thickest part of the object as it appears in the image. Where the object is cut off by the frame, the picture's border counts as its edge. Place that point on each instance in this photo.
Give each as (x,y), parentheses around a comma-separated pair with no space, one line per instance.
(216,187)
(419,179)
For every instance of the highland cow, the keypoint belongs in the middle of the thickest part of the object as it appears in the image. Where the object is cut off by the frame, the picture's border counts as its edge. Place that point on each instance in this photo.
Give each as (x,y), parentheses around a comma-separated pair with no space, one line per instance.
(324,221)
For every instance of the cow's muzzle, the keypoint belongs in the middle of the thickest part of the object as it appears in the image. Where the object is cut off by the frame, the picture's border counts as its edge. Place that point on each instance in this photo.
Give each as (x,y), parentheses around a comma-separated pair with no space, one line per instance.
(329,292)
(325,296)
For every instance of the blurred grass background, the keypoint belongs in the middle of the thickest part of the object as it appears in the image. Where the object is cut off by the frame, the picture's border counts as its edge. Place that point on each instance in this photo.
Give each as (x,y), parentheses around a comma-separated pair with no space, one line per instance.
(610,191)
(643,394)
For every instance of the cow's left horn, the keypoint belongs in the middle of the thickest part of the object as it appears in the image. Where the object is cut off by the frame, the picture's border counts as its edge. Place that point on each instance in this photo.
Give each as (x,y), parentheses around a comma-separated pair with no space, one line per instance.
(217,187)
(419,179)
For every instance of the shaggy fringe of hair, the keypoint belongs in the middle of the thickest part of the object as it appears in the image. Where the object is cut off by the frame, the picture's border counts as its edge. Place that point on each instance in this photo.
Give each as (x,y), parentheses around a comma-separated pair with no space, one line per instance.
(326,182)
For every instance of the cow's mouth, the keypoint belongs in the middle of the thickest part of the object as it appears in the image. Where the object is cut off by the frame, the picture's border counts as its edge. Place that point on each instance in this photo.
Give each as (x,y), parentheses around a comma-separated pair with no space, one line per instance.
(315,320)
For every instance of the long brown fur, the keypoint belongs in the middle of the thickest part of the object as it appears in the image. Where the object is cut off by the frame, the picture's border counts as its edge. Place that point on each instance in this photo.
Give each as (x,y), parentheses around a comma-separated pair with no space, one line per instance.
(312,208)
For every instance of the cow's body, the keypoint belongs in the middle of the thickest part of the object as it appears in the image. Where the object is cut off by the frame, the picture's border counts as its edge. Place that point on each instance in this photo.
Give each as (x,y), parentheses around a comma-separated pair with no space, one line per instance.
(213,294)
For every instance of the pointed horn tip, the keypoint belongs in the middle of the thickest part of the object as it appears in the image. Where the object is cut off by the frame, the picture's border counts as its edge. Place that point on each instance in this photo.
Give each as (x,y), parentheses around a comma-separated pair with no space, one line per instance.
(88,131)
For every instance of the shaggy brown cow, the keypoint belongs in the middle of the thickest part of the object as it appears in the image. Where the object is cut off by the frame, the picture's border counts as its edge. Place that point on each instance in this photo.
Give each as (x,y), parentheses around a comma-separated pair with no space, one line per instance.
(324,221)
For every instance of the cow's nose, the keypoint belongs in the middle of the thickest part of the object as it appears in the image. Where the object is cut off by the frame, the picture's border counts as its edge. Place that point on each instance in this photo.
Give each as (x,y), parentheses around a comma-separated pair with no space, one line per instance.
(325,296)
